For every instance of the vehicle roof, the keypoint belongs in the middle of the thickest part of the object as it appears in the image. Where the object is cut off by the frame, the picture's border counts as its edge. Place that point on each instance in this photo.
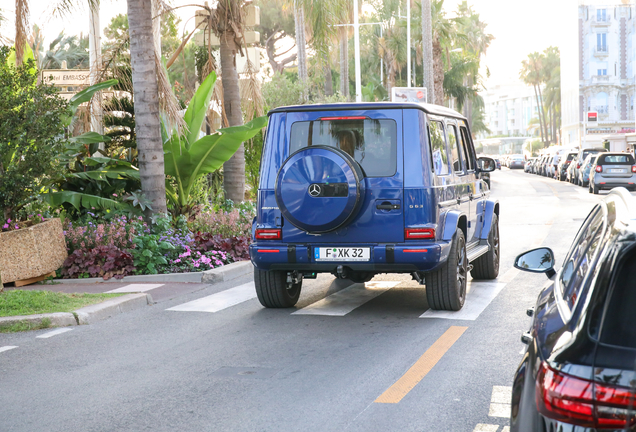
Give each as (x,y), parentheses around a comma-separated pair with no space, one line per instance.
(427,108)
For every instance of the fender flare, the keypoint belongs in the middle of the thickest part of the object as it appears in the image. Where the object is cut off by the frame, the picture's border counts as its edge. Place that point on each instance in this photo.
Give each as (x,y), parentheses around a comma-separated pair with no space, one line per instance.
(451,221)
(491,208)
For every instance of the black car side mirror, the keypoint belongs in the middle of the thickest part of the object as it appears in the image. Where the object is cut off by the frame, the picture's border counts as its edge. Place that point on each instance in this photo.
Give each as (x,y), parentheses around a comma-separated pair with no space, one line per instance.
(486,164)
(539,260)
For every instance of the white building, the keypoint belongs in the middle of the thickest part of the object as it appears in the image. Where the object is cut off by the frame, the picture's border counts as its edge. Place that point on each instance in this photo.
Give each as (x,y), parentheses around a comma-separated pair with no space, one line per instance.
(598,72)
(509,109)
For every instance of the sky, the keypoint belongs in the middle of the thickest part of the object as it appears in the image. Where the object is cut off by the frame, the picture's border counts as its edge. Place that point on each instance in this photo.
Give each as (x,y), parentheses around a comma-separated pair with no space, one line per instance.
(520,27)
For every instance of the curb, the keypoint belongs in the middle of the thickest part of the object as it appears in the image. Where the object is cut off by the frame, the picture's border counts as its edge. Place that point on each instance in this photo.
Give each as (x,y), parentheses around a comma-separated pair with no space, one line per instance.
(85,315)
(219,274)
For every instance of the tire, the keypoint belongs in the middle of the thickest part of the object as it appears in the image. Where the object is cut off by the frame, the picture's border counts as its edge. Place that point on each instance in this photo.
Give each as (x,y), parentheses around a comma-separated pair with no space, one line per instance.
(274,291)
(487,265)
(595,189)
(446,287)
(589,187)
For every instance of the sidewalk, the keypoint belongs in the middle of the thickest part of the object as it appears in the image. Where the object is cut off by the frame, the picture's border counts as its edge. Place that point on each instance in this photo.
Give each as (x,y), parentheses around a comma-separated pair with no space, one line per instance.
(141,291)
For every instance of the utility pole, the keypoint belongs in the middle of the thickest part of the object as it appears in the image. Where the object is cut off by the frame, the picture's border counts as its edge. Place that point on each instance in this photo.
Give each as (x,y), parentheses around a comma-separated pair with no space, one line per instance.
(356,33)
(408,43)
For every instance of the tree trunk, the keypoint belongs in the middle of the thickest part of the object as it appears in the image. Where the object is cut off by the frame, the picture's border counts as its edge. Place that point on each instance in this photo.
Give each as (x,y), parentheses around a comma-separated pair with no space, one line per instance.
(536,95)
(344,62)
(234,169)
(21,29)
(301,46)
(542,113)
(146,97)
(427,51)
(438,70)
(328,79)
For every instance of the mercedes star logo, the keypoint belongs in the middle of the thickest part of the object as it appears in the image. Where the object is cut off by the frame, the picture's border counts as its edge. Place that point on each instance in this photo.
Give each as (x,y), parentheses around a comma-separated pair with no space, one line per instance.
(314,190)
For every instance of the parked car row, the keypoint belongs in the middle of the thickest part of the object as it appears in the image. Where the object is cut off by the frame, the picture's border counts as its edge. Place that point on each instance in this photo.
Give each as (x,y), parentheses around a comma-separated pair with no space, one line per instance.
(513,161)
(593,168)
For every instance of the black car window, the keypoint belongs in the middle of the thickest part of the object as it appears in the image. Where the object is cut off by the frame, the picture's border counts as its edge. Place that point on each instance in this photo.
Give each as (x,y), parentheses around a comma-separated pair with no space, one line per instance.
(579,261)
(372,143)
(466,146)
(618,325)
(455,149)
(612,159)
(438,148)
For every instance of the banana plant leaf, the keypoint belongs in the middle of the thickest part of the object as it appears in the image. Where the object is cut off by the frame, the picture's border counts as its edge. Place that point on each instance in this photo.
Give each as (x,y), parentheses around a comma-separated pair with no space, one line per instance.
(186,163)
(90,138)
(80,200)
(84,96)
(197,109)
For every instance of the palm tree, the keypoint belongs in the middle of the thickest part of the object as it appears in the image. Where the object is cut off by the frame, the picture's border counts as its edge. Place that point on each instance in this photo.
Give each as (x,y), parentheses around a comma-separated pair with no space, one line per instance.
(146,96)
(427,50)
(228,24)
(21,29)
(301,45)
(531,74)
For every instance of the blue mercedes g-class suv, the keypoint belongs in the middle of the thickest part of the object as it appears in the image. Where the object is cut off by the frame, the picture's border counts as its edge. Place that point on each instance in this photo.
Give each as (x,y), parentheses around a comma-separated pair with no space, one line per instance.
(361,189)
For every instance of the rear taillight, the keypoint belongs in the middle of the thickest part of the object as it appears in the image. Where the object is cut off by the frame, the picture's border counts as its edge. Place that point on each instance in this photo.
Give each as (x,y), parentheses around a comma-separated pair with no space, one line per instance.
(634,168)
(268,234)
(419,233)
(578,165)
(598,168)
(577,401)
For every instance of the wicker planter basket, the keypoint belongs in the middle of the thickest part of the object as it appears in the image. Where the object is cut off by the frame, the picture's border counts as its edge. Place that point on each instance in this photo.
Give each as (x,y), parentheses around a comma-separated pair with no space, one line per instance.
(32,252)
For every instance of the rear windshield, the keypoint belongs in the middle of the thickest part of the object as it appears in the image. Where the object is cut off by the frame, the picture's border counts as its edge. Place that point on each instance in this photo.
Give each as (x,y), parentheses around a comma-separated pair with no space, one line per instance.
(612,159)
(372,143)
(570,157)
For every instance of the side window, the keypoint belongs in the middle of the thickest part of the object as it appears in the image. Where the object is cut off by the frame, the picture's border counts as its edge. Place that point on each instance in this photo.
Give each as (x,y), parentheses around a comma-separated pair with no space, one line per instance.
(618,324)
(455,149)
(578,262)
(467,148)
(438,148)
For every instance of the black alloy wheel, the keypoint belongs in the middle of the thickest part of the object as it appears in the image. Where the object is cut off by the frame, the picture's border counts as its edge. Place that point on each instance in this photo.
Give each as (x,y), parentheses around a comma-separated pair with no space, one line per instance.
(446,287)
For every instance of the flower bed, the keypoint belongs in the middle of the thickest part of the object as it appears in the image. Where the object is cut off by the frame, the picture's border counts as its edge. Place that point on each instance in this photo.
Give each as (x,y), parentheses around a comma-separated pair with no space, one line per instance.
(120,246)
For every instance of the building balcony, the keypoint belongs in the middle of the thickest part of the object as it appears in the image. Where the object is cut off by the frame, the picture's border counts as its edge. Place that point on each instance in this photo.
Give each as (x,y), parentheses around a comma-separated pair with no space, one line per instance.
(603,22)
(601,51)
(602,79)
(602,109)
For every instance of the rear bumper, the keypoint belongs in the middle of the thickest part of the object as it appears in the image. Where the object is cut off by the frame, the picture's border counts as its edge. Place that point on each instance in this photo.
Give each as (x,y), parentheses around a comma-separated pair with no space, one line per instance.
(610,183)
(400,258)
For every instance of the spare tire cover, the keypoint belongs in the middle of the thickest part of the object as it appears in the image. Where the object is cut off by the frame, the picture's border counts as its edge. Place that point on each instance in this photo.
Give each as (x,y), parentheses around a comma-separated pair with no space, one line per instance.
(319,189)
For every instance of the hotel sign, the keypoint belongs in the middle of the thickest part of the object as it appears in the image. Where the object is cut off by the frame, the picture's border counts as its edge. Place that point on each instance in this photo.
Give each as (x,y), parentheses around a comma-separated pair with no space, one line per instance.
(67,77)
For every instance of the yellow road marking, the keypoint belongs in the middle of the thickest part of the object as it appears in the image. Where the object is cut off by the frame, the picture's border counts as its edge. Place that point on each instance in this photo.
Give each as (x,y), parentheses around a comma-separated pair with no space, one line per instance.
(423,366)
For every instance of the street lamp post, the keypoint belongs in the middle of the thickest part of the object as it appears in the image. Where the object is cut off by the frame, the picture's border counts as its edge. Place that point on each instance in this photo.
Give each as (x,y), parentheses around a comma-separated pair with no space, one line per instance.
(356,32)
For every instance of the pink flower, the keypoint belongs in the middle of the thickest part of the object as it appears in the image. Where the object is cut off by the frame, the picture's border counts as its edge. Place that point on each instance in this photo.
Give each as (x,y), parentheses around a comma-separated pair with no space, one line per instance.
(178,260)
(8,220)
(17,227)
(114,195)
(5,226)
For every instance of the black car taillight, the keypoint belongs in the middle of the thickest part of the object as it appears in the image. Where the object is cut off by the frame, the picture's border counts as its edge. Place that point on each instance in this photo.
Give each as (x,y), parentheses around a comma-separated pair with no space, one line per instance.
(577,401)
(268,234)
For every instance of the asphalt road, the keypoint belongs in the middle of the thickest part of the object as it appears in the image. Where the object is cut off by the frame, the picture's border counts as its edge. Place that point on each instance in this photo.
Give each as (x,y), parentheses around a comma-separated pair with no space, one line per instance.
(350,359)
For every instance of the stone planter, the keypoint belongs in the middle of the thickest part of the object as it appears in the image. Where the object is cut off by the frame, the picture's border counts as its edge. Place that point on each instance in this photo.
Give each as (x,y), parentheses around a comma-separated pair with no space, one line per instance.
(32,252)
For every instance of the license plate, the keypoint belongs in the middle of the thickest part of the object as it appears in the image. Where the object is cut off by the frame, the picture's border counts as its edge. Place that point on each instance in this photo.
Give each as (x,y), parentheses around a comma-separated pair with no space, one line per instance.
(617,170)
(342,254)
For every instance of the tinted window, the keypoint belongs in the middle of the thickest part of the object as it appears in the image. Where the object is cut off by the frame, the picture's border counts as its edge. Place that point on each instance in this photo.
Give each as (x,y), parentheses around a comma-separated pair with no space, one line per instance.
(456,156)
(611,159)
(618,325)
(438,148)
(578,262)
(570,157)
(466,146)
(372,143)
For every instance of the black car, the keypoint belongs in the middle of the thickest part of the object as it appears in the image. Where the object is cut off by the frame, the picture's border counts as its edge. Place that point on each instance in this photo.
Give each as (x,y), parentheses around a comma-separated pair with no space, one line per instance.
(577,374)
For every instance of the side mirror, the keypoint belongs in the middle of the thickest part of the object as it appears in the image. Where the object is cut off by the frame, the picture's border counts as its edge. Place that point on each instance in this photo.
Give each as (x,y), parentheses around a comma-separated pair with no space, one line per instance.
(539,260)
(486,164)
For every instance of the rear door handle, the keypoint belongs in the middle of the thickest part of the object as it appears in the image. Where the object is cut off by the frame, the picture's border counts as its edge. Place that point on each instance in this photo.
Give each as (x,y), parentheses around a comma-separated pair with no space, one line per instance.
(388,206)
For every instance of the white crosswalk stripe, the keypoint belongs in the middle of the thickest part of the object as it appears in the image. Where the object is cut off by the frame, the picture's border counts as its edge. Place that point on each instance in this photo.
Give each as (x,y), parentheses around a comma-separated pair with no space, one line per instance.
(478,298)
(54,333)
(346,300)
(486,428)
(500,402)
(134,288)
(7,348)
(219,301)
